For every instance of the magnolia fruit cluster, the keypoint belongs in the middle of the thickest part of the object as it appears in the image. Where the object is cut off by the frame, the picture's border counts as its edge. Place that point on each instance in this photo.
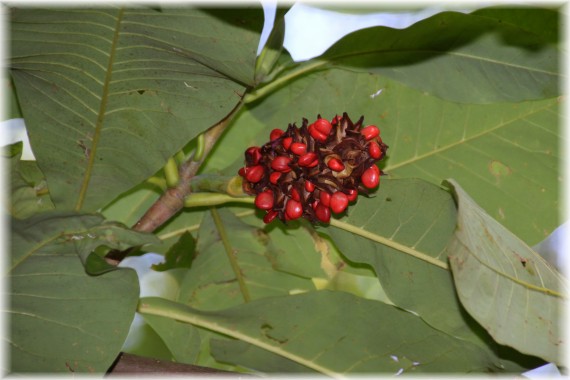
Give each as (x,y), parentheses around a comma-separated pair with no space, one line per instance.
(314,170)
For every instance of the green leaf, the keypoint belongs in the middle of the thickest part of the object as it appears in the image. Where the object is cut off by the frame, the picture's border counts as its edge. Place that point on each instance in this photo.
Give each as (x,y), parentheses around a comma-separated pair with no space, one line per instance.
(402,233)
(106,235)
(460,57)
(109,94)
(539,21)
(182,340)
(13,106)
(334,333)
(505,155)
(61,319)
(273,47)
(258,359)
(211,282)
(180,255)
(507,287)
(28,189)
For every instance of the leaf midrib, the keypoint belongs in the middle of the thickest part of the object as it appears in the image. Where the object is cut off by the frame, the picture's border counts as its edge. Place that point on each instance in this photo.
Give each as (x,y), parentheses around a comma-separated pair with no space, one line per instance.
(100,115)
(467,139)
(340,58)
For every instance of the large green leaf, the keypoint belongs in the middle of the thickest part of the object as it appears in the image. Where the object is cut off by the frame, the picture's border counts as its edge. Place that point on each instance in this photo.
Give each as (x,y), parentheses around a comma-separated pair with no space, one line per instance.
(61,319)
(406,215)
(109,94)
(505,155)
(506,286)
(461,57)
(335,333)
(211,281)
(402,233)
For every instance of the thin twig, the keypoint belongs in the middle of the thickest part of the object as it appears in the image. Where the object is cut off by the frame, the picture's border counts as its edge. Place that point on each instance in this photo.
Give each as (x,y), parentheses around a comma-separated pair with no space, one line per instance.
(172,200)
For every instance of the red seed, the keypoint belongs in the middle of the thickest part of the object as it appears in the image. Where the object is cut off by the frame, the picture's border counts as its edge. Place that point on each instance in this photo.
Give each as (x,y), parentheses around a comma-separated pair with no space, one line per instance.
(376,169)
(268,218)
(325,198)
(335,119)
(274,177)
(323,126)
(309,186)
(339,202)
(241,172)
(287,142)
(254,174)
(281,164)
(316,134)
(299,148)
(276,133)
(308,160)
(374,150)
(295,195)
(335,164)
(253,155)
(322,212)
(264,200)
(293,209)
(352,195)
(370,132)
(371,177)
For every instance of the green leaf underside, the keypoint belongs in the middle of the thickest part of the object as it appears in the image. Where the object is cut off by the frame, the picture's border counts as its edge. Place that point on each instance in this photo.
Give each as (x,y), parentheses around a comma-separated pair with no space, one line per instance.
(507,287)
(505,155)
(97,85)
(416,215)
(61,319)
(211,283)
(366,340)
(182,340)
(255,358)
(470,59)
(421,216)
(28,190)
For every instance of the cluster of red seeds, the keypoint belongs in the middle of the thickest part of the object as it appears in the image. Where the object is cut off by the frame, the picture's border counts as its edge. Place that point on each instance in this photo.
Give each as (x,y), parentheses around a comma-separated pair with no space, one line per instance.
(313,170)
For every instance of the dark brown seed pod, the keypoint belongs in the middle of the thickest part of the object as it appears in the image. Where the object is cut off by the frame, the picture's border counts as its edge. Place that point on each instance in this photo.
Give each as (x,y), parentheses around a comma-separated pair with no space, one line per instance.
(303,168)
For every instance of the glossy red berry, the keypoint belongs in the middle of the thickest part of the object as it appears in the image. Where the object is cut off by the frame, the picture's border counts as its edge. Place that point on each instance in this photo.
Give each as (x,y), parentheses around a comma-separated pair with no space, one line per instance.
(276,133)
(274,177)
(293,209)
(325,198)
(270,216)
(281,164)
(287,141)
(295,195)
(335,164)
(264,200)
(322,212)
(253,155)
(370,132)
(323,126)
(309,186)
(254,174)
(374,150)
(299,148)
(371,177)
(339,202)
(309,160)
(352,195)
(317,135)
